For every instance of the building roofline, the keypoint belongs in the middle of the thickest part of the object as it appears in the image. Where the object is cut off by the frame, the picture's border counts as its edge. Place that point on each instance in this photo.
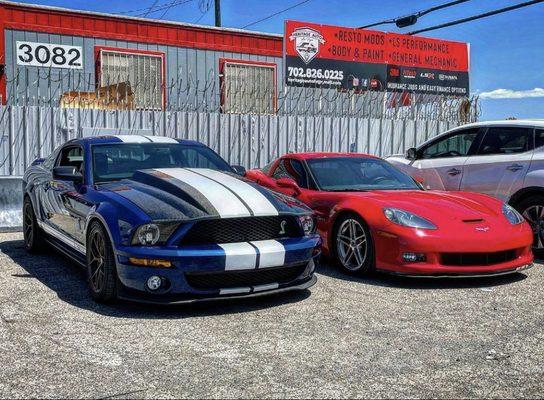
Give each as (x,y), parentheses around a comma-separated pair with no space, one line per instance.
(139,19)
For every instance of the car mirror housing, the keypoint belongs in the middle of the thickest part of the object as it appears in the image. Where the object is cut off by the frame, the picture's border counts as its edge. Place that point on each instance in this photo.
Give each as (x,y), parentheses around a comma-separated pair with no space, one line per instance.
(411,153)
(67,173)
(239,170)
(288,183)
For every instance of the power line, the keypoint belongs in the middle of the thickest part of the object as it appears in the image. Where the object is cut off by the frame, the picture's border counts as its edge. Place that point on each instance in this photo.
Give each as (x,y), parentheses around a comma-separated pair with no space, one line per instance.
(151,8)
(200,18)
(139,9)
(475,17)
(416,15)
(166,6)
(204,6)
(166,10)
(276,13)
(430,10)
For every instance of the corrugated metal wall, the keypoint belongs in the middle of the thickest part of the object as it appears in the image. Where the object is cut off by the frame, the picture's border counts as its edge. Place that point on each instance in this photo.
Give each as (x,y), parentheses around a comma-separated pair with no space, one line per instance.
(192,65)
(29,132)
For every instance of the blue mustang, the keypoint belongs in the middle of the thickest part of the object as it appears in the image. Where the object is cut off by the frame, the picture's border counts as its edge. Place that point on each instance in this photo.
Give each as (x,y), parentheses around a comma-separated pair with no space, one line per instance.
(159,220)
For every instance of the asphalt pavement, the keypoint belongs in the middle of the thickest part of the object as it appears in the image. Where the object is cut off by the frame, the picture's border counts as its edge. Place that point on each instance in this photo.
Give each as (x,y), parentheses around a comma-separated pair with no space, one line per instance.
(378,337)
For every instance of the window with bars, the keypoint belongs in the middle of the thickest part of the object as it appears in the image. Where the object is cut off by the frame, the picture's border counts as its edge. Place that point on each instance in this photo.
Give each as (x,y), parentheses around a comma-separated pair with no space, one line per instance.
(248,87)
(138,77)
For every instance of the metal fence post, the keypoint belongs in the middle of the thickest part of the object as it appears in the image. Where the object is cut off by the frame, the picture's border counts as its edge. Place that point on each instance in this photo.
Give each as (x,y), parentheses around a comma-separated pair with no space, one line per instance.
(10,141)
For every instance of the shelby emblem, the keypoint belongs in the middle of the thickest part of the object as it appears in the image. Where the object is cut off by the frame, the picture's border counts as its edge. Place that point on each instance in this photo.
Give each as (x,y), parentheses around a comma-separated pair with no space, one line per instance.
(307,42)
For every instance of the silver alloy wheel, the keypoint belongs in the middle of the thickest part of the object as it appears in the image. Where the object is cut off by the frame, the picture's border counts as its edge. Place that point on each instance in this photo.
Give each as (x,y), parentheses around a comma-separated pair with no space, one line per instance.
(351,245)
(535,217)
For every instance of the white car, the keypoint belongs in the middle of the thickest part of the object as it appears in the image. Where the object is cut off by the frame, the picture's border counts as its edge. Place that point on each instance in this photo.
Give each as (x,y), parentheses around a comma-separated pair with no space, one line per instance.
(504,159)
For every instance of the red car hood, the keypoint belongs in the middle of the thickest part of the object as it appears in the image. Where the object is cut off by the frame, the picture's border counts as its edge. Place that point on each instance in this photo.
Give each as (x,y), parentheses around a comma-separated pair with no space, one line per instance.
(438,206)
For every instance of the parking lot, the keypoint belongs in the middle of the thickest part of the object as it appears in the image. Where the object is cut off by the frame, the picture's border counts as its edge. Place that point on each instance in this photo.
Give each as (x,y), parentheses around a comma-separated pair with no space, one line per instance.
(346,337)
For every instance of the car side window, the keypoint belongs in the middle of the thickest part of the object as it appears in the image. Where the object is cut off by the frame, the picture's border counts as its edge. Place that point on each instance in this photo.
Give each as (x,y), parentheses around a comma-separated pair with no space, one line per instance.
(191,157)
(539,138)
(288,168)
(505,140)
(455,145)
(71,156)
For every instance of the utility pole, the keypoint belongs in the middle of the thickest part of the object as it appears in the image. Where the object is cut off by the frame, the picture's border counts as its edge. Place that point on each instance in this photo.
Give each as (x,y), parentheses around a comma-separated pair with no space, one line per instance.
(217,12)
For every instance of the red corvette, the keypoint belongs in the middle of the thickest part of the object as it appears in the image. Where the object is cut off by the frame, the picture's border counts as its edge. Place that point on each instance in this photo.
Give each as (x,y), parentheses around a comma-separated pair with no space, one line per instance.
(372,216)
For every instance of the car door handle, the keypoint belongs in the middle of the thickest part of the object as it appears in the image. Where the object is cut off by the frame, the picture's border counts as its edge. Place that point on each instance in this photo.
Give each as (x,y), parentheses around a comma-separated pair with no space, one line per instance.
(514,167)
(454,171)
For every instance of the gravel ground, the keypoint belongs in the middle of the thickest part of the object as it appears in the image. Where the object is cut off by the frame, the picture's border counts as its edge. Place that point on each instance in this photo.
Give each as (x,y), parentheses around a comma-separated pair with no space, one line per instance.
(347,337)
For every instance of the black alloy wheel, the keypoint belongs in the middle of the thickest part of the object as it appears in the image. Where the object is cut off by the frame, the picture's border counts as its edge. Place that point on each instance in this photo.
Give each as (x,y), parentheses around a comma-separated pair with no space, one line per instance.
(31,231)
(101,271)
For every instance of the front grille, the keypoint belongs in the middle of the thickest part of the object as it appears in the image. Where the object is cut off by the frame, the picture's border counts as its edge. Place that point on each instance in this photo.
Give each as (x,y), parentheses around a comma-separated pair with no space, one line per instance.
(233,230)
(468,259)
(233,279)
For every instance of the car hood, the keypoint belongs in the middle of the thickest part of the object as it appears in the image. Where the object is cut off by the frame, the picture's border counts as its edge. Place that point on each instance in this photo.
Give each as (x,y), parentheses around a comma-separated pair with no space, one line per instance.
(437,206)
(193,193)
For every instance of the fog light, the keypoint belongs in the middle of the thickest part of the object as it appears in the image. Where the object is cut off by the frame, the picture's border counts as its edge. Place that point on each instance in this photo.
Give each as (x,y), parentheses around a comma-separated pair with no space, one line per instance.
(414,257)
(154,282)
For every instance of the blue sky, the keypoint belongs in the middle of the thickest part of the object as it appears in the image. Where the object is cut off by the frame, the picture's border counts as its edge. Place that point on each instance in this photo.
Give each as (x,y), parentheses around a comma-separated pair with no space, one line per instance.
(507,50)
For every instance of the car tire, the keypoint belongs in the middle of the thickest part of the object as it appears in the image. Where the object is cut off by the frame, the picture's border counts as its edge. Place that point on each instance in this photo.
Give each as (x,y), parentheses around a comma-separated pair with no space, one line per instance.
(101,271)
(33,235)
(532,208)
(352,247)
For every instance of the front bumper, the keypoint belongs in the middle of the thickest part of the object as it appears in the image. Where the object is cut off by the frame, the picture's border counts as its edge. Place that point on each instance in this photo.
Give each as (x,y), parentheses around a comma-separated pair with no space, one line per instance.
(147,298)
(207,272)
(435,246)
(464,274)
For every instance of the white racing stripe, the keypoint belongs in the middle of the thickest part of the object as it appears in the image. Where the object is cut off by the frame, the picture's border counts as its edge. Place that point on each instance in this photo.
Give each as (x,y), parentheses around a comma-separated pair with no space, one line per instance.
(133,138)
(271,253)
(161,139)
(239,256)
(222,199)
(255,200)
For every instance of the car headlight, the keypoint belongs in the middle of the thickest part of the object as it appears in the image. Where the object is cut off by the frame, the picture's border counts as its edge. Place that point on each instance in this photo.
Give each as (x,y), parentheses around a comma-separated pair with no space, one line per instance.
(307,223)
(512,215)
(153,233)
(405,218)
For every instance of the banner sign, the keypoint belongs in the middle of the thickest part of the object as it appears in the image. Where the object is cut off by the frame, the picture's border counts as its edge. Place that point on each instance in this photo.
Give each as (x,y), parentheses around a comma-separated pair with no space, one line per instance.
(331,56)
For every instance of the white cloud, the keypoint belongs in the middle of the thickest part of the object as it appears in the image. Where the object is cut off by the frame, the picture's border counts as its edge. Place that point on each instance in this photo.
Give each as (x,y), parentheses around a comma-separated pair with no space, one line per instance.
(512,94)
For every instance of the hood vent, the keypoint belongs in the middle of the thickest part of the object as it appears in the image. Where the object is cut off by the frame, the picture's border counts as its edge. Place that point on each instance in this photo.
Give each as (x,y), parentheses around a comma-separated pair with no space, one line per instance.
(473,221)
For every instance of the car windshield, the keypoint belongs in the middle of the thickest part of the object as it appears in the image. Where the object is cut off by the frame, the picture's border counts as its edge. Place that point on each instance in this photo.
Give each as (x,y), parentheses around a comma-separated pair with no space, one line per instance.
(358,174)
(120,160)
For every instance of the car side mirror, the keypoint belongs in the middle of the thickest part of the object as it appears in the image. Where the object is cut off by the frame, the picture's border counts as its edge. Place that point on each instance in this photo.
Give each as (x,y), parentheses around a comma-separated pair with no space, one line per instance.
(67,173)
(239,170)
(288,183)
(411,153)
